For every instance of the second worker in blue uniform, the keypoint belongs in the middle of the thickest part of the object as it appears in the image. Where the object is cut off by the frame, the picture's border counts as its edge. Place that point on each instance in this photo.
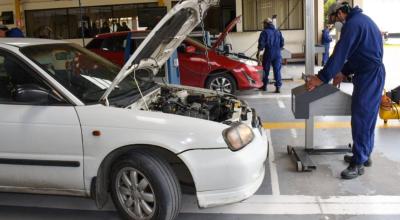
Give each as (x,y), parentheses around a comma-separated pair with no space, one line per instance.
(271,41)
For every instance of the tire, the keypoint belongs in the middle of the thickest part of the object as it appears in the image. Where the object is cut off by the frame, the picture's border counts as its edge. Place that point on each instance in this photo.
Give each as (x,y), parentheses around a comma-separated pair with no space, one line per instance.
(157,190)
(222,82)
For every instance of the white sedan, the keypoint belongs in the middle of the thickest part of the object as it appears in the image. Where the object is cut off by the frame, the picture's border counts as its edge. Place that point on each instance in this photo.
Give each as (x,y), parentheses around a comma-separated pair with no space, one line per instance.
(72,123)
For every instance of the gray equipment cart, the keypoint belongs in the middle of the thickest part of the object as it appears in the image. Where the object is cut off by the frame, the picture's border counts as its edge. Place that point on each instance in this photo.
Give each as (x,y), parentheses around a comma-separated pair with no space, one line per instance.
(323,101)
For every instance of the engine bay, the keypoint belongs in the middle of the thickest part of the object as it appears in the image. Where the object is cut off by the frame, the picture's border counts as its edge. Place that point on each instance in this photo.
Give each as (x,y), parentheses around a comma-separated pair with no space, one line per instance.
(198,104)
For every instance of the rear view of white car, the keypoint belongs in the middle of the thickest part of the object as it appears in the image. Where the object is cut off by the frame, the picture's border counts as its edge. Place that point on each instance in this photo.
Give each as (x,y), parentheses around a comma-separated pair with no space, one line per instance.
(72,123)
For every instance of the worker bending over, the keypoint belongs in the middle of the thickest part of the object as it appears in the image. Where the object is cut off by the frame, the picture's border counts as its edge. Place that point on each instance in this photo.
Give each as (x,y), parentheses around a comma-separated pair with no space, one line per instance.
(360,52)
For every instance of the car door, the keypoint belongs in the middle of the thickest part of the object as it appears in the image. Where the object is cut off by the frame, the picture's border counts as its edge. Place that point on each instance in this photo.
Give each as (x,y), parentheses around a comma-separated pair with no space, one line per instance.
(113,49)
(41,143)
(193,67)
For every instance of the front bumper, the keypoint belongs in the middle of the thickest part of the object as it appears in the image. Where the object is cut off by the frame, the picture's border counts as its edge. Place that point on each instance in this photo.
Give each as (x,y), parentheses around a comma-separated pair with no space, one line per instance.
(252,79)
(222,176)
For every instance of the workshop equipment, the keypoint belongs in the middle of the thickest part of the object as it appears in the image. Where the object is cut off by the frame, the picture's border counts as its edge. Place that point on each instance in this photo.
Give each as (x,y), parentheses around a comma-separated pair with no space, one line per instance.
(323,101)
(390,105)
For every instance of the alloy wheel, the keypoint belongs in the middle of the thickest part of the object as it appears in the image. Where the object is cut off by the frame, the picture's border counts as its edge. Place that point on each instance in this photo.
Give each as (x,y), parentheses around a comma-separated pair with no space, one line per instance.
(135,193)
(221,84)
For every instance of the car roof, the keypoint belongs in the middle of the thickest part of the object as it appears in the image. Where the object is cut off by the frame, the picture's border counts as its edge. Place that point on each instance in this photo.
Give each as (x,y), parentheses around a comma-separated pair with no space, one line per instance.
(24,42)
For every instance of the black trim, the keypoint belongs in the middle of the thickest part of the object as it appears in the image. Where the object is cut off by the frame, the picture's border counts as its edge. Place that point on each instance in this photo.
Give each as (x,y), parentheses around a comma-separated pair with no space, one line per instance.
(52,163)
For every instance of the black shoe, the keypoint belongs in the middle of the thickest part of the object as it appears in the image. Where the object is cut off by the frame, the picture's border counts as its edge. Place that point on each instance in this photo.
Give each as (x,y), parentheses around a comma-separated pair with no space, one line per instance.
(348,158)
(263,89)
(352,171)
(278,90)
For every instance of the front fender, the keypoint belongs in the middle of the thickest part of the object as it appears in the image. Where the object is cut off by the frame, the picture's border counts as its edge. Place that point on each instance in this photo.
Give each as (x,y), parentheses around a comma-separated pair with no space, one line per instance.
(125,127)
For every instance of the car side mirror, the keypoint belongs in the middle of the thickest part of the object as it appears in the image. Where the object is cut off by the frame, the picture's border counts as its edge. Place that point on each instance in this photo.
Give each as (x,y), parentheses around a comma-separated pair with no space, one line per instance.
(190,49)
(34,94)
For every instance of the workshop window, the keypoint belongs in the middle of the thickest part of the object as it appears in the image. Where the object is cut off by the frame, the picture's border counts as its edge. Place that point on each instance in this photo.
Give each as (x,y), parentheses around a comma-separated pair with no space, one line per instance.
(47,24)
(67,23)
(218,17)
(289,14)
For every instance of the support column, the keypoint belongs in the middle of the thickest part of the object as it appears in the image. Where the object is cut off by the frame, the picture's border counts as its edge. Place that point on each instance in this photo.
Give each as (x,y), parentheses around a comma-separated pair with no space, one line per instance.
(165,3)
(310,37)
(309,133)
(319,24)
(18,19)
(239,11)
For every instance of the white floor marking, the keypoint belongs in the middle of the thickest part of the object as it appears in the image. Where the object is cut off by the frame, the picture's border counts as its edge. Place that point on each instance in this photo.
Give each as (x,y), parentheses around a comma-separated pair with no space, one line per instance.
(281,104)
(258,204)
(293,132)
(306,205)
(264,96)
(272,167)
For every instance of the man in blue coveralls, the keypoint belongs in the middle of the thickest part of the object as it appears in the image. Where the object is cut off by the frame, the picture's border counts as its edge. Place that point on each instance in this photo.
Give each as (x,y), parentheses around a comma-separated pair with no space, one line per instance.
(271,41)
(360,52)
(326,41)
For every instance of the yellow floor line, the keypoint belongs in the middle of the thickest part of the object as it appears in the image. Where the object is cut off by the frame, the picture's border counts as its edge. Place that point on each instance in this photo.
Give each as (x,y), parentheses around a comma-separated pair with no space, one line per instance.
(318,125)
(392,45)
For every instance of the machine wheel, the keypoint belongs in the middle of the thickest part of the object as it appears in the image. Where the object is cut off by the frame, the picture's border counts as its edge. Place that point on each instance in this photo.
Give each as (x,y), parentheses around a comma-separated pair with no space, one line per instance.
(289,149)
(222,82)
(144,187)
(299,166)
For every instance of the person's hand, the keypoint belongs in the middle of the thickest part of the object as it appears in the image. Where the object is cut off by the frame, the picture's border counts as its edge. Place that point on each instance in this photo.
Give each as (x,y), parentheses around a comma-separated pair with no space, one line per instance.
(338,79)
(313,82)
(258,58)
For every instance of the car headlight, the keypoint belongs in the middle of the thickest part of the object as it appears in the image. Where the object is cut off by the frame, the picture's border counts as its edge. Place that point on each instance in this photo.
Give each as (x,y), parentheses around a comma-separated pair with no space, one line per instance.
(248,62)
(238,136)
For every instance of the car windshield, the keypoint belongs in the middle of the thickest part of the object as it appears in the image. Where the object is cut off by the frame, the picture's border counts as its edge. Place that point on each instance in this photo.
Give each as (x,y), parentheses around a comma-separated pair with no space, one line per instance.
(84,73)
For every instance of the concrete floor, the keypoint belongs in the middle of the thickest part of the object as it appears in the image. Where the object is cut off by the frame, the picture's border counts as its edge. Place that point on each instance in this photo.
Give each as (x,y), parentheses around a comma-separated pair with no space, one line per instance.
(285,194)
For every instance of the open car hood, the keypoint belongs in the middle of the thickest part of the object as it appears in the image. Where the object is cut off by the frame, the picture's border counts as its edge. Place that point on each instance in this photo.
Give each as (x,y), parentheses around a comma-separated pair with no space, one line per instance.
(228,29)
(163,40)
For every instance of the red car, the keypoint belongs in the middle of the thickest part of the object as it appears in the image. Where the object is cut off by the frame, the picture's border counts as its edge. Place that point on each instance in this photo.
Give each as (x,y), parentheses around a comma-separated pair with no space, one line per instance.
(220,70)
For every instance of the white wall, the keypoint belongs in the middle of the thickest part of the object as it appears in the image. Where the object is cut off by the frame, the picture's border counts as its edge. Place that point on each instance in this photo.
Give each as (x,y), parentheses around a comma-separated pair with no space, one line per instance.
(248,41)
(384,13)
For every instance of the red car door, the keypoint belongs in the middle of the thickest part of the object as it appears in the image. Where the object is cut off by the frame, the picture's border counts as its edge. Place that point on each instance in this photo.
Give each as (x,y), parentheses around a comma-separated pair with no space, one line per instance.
(193,67)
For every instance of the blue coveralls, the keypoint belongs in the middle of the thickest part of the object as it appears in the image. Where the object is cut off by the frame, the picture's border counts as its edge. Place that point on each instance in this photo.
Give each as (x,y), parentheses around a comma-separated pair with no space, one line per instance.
(271,41)
(326,40)
(360,52)
(14,32)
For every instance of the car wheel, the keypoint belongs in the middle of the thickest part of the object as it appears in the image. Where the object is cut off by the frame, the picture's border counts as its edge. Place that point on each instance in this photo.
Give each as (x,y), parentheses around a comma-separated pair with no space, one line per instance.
(144,187)
(222,82)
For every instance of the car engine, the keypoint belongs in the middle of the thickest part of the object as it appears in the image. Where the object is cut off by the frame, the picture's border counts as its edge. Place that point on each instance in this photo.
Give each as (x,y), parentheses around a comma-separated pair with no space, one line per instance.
(209,106)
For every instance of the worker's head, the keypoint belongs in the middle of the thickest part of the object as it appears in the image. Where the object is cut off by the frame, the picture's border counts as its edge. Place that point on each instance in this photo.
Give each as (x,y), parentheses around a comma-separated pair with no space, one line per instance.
(342,10)
(267,22)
